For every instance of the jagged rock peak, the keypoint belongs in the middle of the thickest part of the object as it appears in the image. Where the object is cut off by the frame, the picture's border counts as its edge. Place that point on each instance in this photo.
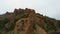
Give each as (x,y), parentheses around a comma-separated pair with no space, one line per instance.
(26,10)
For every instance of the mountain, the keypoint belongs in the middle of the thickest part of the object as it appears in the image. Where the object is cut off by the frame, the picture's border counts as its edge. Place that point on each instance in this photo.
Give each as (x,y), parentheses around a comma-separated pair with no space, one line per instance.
(27,21)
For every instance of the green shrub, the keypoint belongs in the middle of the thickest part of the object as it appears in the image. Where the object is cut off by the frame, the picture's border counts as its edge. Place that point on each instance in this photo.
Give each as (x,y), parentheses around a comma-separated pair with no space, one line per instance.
(3,22)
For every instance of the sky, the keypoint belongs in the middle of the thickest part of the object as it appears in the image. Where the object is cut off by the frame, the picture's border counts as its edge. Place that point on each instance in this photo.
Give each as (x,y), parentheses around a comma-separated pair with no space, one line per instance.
(49,8)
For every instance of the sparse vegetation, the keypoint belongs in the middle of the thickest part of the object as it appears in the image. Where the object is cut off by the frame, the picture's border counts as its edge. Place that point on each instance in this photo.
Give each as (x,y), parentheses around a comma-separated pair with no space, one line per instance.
(7,25)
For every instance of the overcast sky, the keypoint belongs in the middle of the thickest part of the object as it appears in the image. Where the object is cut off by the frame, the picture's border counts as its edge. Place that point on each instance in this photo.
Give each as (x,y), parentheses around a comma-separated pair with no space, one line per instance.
(50,8)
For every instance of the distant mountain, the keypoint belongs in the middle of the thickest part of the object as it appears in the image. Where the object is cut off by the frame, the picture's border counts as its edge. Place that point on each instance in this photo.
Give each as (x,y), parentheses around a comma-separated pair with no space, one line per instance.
(27,21)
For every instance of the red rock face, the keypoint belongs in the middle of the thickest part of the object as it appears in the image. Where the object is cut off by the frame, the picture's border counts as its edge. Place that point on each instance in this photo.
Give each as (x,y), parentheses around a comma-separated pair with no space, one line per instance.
(27,28)
(29,25)
(29,11)
(26,24)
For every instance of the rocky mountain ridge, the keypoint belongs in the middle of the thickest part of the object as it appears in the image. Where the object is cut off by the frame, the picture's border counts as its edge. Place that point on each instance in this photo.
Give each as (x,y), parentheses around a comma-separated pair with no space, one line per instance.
(27,21)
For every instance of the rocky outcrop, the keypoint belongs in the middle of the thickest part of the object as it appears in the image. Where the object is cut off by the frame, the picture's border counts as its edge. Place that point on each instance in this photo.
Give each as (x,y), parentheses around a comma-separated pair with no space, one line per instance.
(27,21)
(28,26)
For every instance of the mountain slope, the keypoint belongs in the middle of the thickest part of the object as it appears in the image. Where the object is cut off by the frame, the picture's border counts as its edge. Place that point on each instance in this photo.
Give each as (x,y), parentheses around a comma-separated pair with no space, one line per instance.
(27,21)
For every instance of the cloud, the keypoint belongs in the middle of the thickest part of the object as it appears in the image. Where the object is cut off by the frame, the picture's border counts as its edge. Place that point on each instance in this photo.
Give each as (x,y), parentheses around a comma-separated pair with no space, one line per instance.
(50,8)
